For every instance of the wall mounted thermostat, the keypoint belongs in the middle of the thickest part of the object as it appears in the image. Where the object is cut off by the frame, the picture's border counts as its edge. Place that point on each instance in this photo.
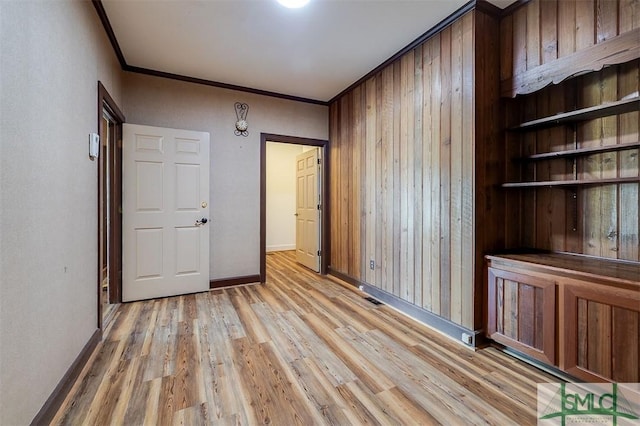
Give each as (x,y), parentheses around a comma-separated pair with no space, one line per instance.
(94,146)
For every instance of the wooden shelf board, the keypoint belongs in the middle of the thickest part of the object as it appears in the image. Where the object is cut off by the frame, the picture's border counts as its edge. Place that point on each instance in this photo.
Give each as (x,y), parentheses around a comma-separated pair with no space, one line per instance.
(603,110)
(582,151)
(578,182)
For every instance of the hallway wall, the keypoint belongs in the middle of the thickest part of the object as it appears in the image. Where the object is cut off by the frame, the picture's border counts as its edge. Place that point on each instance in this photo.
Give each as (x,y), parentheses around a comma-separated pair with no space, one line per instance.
(51,58)
(235,160)
(281,195)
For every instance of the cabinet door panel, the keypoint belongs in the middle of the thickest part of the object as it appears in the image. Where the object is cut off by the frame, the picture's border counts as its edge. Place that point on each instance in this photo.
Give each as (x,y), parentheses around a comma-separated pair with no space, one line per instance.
(602,331)
(522,313)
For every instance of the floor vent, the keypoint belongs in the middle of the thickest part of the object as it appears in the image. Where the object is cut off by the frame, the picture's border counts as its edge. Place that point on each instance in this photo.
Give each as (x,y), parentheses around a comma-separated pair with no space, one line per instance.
(374,301)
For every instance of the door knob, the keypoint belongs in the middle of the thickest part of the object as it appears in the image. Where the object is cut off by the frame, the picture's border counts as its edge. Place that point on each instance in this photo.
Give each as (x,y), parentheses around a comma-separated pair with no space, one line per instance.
(295,214)
(202,221)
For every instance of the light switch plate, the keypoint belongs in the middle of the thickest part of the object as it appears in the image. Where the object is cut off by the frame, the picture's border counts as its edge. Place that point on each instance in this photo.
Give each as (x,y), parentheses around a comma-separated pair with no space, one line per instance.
(94,145)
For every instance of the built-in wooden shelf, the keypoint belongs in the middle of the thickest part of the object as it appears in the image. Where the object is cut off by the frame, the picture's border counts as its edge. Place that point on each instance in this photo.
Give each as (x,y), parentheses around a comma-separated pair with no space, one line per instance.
(598,111)
(582,151)
(573,182)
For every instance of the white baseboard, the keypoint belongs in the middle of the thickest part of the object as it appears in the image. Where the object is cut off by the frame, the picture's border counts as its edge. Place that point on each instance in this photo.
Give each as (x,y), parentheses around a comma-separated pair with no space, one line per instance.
(282,247)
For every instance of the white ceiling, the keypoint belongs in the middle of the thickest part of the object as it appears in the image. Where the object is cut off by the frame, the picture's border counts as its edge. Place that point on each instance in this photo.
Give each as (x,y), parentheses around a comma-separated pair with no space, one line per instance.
(314,52)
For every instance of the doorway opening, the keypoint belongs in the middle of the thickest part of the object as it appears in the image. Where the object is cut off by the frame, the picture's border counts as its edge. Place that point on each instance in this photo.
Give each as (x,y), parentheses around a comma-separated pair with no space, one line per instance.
(110,120)
(310,146)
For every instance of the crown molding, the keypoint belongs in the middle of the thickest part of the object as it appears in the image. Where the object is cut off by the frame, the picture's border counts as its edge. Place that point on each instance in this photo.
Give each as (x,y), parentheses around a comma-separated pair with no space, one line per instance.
(102,14)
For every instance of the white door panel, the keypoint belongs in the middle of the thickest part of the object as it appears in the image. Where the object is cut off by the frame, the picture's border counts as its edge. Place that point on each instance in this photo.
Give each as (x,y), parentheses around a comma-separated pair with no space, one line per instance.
(165,194)
(307,212)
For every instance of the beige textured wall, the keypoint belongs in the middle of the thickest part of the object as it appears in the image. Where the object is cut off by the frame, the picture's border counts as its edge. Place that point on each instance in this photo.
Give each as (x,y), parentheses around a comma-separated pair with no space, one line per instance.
(51,57)
(235,160)
(281,195)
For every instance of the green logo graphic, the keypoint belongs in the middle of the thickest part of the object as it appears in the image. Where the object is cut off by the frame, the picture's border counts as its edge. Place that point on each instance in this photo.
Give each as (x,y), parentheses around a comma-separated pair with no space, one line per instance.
(592,402)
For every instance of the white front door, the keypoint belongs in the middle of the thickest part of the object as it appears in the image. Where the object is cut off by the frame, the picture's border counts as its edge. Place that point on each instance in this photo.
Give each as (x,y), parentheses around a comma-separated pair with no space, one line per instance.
(308,209)
(165,208)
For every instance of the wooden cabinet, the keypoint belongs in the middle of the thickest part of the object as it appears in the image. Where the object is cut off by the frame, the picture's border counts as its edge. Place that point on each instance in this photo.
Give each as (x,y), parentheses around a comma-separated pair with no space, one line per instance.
(522,313)
(578,313)
(599,334)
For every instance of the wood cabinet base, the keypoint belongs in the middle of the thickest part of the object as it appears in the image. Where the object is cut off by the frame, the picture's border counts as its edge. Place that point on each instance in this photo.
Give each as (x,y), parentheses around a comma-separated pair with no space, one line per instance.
(579,314)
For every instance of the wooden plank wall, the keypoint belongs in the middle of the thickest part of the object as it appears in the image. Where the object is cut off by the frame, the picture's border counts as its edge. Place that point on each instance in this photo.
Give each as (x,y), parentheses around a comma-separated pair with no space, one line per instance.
(404,173)
(600,220)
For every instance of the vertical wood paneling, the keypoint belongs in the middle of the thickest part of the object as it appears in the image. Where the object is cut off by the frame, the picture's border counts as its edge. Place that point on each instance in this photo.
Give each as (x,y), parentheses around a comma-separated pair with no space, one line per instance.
(628,197)
(511,309)
(526,314)
(585,23)
(528,231)
(379,185)
(609,165)
(436,95)
(559,169)
(334,184)
(573,214)
(410,182)
(506,47)
(606,28)
(356,162)
(583,333)
(606,19)
(468,167)
(371,191)
(410,202)
(456,125)
(548,31)
(629,200)
(538,337)
(566,27)
(427,178)
(445,174)
(625,329)
(405,187)
(500,305)
(629,15)
(345,185)
(590,168)
(533,34)
(397,184)
(599,338)
(544,213)
(417,201)
(387,189)
(519,49)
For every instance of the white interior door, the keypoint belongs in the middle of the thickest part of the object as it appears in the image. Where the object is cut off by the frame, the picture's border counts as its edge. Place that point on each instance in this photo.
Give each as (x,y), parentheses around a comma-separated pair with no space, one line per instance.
(308,209)
(165,207)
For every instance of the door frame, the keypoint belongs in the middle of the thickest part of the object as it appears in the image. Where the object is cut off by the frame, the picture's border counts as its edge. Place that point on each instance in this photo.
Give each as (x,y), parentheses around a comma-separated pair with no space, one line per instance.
(106,103)
(324,216)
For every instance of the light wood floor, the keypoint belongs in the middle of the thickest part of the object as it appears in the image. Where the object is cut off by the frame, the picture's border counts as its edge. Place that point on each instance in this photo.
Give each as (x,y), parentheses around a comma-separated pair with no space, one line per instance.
(301,349)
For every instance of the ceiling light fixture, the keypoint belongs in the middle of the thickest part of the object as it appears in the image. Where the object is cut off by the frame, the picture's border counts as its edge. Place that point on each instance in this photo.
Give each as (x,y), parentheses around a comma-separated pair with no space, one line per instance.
(293,4)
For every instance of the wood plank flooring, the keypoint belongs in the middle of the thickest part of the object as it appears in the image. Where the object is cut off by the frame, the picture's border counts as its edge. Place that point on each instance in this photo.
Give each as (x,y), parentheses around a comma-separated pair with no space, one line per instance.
(301,349)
